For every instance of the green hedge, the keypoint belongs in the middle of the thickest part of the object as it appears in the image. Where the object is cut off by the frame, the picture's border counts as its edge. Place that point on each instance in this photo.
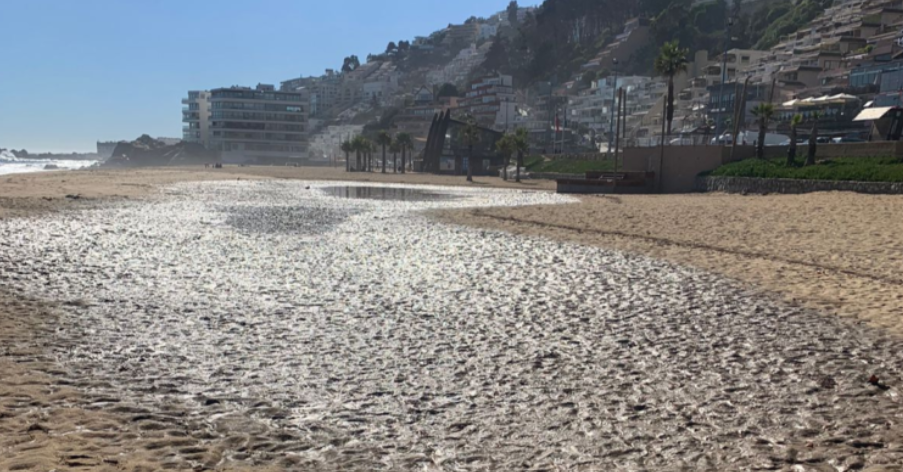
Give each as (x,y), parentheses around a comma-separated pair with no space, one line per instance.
(859,169)
(538,164)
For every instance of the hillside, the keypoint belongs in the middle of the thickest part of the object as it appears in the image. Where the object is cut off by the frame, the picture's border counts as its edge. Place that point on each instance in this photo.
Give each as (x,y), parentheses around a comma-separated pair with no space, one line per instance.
(562,35)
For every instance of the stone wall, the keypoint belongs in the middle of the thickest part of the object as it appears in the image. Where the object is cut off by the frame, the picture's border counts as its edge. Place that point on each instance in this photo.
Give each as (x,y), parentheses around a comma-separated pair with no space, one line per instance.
(793,186)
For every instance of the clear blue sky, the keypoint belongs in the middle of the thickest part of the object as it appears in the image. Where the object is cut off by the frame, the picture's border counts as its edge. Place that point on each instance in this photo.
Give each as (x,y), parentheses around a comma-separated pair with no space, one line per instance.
(76,71)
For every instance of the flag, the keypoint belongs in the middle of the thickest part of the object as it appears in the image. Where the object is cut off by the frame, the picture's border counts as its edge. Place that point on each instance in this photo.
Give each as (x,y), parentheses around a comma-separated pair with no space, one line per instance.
(557,123)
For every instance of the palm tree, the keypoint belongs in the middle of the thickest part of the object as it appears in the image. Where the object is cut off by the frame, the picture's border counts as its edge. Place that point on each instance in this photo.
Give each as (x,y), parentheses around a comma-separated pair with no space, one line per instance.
(671,60)
(505,147)
(384,139)
(791,153)
(394,148)
(813,140)
(521,146)
(470,135)
(764,112)
(405,142)
(359,145)
(347,148)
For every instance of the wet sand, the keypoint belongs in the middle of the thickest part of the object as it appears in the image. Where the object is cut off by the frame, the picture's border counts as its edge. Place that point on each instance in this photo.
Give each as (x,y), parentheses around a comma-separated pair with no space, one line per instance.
(582,359)
(265,324)
(28,194)
(836,252)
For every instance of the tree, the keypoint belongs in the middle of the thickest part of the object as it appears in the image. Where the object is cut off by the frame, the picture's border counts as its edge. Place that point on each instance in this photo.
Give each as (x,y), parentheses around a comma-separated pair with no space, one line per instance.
(763,112)
(671,60)
(392,47)
(505,147)
(384,139)
(512,12)
(347,147)
(394,148)
(447,90)
(521,147)
(813,140)
(404,46)
(406,143)
(791,153)
(359,145)
(351,63)
(470,135)
(497,57)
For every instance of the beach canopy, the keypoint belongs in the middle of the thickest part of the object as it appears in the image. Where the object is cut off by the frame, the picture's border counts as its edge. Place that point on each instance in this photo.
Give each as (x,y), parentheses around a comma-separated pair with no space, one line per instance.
(872,114)
(845,97)
(790,103)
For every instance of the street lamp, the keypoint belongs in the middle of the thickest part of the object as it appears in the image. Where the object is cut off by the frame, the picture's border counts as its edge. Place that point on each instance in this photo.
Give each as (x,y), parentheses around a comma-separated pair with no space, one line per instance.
(614,90)
(727,45)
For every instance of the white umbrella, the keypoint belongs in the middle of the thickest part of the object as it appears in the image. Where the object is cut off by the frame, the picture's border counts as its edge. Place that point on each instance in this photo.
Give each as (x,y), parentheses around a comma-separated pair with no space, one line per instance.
(790,103)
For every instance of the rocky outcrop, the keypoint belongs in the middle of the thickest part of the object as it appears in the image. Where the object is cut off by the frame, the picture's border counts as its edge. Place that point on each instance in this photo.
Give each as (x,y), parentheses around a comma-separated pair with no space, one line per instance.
(148,152)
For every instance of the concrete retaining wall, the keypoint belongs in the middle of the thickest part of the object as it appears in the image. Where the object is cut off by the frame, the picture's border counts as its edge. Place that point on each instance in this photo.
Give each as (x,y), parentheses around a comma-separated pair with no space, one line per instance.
(793,186)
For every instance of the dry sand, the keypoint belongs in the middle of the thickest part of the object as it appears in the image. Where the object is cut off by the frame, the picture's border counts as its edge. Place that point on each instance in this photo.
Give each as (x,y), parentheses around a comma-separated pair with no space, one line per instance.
(834,251)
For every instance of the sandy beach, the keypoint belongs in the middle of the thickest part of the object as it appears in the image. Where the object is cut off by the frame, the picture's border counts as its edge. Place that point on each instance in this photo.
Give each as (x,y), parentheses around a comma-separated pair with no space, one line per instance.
(835,252)
(99,374)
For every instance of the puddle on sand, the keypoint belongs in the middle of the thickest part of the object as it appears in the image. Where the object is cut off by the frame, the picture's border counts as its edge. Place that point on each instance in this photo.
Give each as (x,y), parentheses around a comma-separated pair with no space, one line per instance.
(387,193)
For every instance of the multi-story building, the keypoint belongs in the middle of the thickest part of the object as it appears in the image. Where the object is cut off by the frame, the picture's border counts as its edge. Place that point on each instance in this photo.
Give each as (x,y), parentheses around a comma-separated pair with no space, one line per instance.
(258,125)
(323,92)
(488,31)
(491,101)
(592,108)
(196,117)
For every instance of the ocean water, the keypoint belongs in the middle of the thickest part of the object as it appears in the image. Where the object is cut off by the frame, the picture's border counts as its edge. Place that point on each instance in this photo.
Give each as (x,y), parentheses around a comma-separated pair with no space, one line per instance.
(10,164)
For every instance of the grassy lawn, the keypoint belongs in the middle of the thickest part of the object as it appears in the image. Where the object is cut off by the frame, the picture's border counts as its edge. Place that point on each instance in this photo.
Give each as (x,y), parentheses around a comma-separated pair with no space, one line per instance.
(538,164)
(862,169)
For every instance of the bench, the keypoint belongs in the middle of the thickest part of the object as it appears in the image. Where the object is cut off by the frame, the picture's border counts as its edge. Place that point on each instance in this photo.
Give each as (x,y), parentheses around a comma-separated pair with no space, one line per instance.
(609,182)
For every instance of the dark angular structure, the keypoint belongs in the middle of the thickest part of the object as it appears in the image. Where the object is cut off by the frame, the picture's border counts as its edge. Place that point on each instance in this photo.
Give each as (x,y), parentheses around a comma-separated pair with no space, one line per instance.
(445,153)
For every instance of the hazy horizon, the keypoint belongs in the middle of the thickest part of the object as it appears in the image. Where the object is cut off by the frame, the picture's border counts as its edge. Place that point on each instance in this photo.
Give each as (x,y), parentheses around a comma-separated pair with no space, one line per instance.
(103,70)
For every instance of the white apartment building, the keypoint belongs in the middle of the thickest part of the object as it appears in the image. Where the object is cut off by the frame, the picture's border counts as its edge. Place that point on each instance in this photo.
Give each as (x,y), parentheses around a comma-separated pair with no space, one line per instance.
(382,85)
(196,117)
(491,101)
(593,108)
(488,31)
